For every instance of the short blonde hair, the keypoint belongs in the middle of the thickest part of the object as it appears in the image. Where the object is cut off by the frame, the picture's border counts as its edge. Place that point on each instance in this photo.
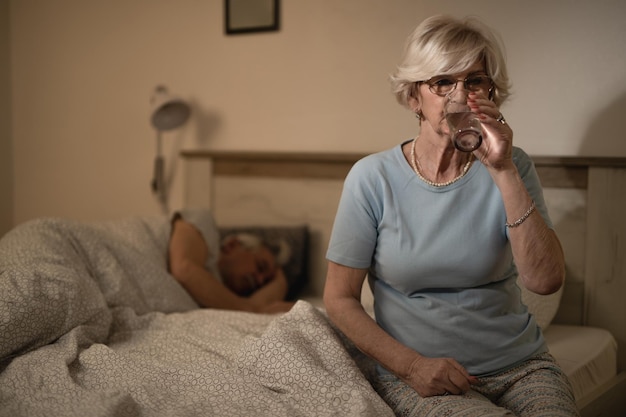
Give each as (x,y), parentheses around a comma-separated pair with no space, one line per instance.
(446,45)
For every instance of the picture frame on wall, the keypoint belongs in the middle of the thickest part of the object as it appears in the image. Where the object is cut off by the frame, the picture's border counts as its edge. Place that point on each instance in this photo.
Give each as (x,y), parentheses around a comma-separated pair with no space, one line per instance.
(249,16)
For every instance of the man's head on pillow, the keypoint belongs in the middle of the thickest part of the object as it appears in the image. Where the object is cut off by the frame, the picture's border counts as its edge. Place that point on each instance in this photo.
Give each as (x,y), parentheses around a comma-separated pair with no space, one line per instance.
(247,262)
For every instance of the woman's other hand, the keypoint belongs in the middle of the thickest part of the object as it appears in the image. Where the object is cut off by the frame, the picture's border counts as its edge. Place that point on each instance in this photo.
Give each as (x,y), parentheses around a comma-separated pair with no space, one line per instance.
(438,376)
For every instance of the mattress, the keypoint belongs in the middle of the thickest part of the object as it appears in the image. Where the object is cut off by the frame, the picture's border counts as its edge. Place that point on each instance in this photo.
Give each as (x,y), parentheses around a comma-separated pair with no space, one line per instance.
(588,355)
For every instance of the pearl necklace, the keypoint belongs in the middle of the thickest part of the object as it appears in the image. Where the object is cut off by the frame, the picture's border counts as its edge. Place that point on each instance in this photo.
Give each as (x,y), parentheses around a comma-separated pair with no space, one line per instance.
(415,164)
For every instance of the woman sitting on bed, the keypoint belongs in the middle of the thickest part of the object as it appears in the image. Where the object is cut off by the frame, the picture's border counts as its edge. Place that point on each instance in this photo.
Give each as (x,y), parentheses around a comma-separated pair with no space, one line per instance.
(443,236)
(241,273)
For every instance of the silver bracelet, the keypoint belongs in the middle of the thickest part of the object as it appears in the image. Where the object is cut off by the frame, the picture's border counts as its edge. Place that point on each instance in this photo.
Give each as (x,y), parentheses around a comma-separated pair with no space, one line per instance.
(524,217)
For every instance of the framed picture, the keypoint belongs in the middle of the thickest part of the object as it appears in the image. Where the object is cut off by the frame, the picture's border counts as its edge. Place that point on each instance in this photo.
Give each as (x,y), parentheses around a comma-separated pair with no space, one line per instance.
(248,16)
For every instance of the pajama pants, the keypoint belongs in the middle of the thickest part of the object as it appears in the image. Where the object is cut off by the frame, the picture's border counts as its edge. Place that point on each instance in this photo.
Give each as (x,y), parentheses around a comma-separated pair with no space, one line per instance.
(538,387)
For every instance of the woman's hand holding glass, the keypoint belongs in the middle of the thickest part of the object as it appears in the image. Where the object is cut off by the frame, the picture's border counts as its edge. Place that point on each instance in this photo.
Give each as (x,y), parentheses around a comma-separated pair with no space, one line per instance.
(497,147)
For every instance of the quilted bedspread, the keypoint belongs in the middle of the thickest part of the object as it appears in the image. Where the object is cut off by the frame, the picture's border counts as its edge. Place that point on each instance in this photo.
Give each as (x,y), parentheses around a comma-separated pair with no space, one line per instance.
(91,324)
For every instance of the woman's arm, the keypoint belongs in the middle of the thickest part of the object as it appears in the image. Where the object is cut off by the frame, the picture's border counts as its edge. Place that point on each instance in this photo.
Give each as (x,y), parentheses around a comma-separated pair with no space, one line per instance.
(187,253)
(536,248)
(428,376)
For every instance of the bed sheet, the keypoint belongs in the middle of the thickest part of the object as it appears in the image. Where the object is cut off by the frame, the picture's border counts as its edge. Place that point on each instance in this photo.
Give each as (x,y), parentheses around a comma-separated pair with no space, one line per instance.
(202,362)
(91,324)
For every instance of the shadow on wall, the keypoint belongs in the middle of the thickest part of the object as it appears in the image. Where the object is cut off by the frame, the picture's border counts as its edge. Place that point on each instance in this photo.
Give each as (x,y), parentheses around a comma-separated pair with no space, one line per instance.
(202,127)
(207,123)
(606,133)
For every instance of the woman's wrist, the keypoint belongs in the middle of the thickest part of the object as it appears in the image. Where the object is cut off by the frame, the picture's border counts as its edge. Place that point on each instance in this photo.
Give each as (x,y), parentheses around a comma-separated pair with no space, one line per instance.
(507,179)
(405,362)
(503,169)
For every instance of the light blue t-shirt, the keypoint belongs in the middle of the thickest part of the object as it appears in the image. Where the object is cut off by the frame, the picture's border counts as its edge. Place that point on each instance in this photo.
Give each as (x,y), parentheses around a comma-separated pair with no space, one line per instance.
(439,260)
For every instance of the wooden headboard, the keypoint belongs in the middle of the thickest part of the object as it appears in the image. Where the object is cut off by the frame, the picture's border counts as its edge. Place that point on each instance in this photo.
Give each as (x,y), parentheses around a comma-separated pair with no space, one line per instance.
(587,194)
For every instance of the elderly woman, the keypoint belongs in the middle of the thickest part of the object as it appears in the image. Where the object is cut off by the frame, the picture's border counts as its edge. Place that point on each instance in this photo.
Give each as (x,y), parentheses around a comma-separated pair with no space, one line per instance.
(443,236)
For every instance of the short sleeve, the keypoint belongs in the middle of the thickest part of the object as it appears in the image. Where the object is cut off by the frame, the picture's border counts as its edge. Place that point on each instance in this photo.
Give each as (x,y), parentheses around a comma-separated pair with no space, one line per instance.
(353,238)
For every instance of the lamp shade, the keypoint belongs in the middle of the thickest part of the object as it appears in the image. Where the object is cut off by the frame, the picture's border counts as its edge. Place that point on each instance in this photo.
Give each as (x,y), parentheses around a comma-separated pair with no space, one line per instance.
(168,112)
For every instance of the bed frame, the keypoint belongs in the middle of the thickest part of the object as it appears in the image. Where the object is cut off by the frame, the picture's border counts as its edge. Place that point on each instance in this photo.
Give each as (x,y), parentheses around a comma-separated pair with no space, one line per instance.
(586,193)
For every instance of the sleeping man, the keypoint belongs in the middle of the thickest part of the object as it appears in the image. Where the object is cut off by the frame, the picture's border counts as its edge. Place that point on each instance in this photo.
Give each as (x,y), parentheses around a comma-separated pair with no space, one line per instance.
(239,273)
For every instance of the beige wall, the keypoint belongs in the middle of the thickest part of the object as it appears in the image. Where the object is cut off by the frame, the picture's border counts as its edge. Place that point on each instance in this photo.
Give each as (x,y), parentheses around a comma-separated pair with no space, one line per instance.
(83,72)
(6,151)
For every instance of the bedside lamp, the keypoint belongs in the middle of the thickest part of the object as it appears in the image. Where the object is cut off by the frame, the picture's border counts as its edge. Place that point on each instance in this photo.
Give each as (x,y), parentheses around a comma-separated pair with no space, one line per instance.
(168,113)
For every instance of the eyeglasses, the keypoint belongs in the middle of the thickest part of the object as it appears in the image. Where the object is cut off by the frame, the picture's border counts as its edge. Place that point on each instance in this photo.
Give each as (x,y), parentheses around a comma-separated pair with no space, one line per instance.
(444,85)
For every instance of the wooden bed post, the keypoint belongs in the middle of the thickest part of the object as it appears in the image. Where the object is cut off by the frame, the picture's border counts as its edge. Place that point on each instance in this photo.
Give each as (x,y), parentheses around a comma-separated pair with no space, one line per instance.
(605,272)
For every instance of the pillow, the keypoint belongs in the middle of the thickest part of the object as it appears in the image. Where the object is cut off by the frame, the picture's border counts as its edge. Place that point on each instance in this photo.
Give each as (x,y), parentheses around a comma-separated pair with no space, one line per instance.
(542,307)
(296,239)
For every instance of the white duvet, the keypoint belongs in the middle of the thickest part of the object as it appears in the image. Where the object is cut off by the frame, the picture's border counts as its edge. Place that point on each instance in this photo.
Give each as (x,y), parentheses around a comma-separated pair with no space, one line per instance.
(91,324)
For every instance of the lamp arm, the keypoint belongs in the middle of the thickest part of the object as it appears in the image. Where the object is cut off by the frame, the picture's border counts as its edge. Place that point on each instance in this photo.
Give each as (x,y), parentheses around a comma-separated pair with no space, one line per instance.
(157,180)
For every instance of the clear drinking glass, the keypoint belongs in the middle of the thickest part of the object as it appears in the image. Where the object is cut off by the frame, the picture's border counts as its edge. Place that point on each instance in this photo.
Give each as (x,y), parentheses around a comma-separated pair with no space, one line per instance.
(466,131)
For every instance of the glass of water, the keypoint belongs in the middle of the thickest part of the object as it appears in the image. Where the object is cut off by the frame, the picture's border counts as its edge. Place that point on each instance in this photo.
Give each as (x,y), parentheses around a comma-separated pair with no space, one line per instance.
(466,131)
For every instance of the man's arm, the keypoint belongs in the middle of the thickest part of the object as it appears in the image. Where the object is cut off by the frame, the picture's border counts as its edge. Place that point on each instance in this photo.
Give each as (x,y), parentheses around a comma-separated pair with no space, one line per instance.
(187,254)
(272,292)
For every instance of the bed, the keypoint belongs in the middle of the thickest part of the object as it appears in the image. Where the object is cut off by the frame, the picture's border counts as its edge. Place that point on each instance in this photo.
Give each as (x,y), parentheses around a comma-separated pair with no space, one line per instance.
(584,324)
(92,324)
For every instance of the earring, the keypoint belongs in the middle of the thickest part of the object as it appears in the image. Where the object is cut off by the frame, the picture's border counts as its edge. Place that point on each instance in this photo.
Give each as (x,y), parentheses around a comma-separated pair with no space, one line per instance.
(418,115)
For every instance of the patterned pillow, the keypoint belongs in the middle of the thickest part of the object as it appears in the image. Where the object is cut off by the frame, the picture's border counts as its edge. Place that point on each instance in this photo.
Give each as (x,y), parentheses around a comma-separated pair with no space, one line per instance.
(297,240)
